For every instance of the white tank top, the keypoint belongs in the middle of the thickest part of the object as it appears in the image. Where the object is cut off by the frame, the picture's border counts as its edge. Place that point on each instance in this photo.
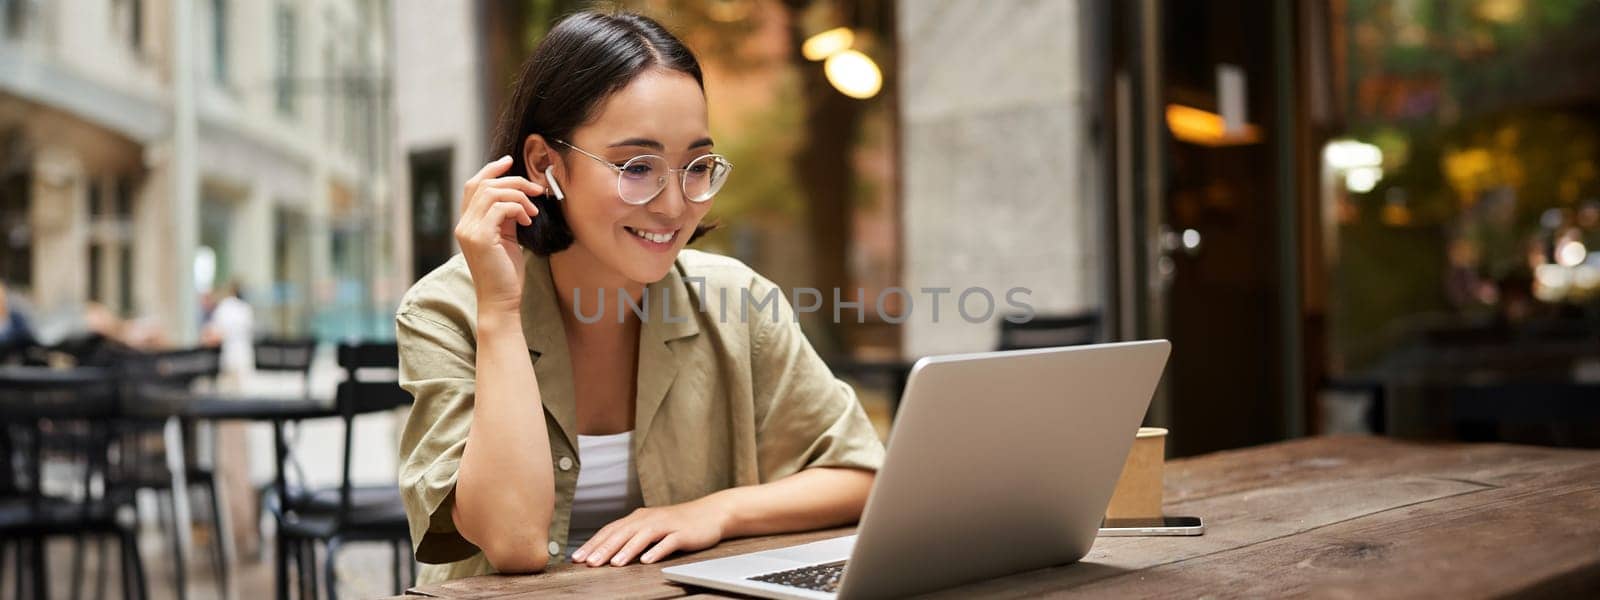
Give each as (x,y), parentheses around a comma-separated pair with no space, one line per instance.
(608,488)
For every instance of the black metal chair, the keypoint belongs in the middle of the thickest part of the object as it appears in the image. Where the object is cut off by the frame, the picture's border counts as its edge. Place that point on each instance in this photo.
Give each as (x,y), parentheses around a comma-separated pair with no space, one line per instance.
(349,513)
(288,355)
(61,420)
(1050,331)
(292,356)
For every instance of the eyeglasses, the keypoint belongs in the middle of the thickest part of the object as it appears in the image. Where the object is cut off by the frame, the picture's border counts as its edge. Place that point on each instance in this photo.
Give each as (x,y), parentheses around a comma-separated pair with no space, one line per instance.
(643,177)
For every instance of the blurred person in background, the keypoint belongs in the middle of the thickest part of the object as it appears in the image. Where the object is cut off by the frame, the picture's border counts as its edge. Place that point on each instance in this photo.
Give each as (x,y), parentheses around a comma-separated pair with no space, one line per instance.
(92,334)
(16,335)
(551,424)
(230,323)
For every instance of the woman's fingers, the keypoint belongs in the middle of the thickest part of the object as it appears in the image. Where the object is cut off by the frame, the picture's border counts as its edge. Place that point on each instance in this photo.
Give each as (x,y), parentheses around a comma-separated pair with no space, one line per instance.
(492,207)
(501,212)
(500,195)
(603,549)
(487,190)
(489,195)
(469,191)
(588,549)
(486,232)
(641,539)
(588,552)
(515,183)
(662,549)
(513,195)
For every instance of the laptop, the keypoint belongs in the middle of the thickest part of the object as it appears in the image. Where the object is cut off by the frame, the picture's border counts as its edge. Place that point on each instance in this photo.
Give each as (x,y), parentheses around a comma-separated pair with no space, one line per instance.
(998,463)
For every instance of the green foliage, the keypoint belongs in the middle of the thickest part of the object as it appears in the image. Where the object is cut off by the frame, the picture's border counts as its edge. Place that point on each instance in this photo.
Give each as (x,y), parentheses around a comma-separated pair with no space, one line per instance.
(762,187)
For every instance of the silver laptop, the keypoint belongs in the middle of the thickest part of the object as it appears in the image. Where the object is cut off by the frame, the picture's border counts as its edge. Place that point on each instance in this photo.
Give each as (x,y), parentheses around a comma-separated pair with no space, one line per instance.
(998,463)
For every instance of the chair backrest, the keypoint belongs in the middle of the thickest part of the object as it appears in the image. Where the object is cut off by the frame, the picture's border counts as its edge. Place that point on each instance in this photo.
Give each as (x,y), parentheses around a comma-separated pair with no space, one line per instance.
(363,397)
(167,376)
(371,385)
(285,355)
(77,405)
(371,381)
(356,356)
(29,393)
(174,367)
(1050,331)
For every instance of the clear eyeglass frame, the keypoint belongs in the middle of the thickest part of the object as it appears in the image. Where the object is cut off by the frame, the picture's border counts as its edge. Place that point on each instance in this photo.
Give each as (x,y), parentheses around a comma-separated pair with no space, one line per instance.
(718,165)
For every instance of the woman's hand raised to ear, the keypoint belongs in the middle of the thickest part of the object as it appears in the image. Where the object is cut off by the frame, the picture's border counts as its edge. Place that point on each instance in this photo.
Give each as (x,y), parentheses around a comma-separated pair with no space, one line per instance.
(491,208)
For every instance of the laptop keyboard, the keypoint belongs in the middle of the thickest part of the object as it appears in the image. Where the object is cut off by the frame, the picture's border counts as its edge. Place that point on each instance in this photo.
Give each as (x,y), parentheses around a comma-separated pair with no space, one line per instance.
(823,578)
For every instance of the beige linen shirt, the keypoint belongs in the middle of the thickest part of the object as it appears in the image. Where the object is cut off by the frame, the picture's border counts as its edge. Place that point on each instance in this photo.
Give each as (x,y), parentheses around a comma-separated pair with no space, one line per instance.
(730,393)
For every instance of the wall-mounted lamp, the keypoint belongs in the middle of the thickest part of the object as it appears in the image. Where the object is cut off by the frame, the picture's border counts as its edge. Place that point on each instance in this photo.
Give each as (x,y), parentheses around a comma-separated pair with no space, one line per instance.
(1207,128)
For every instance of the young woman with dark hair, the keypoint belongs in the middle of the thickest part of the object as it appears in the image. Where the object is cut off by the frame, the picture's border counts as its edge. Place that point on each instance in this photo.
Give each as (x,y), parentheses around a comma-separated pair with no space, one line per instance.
(554,421)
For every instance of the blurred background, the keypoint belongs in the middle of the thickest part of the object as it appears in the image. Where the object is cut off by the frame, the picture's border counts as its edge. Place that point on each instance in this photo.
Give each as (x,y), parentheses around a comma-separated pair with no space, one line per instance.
(1349,216)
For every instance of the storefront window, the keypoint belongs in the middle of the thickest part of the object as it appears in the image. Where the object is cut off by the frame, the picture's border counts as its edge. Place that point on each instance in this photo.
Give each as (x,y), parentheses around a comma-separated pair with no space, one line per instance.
(1463,184)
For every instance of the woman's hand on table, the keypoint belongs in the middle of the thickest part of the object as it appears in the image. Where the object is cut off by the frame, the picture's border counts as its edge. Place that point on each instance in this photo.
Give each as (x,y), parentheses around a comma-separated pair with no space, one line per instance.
(810,499)
(694,525)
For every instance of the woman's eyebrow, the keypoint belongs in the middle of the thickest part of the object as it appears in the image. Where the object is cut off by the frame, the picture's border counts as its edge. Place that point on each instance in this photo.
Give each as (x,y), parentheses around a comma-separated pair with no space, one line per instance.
(658,146)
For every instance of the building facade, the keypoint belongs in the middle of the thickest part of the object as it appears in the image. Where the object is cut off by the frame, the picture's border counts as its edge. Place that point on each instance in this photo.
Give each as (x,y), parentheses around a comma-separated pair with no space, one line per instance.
(289,108)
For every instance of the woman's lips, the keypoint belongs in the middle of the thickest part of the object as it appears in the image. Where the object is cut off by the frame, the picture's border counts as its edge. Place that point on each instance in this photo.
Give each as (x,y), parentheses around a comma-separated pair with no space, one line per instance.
(654,239)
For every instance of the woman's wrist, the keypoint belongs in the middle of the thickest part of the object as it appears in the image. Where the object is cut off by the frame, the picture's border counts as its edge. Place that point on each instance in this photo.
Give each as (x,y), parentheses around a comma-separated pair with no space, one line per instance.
(723,506)
(496,319)
(490,304)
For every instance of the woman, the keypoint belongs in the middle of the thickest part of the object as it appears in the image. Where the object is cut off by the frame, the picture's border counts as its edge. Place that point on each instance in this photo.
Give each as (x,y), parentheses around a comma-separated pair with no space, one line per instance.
(551,421)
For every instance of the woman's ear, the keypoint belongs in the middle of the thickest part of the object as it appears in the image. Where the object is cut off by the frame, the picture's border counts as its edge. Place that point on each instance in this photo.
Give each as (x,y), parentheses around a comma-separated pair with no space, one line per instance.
(538,157)
(540,160)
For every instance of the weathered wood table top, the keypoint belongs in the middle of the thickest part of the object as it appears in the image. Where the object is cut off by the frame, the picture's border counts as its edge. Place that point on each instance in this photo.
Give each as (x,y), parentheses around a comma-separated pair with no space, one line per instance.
(1345,516)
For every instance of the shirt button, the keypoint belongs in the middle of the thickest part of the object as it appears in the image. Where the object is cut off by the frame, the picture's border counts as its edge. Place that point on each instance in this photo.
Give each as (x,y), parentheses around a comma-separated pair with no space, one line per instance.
(565,463)
(555,548)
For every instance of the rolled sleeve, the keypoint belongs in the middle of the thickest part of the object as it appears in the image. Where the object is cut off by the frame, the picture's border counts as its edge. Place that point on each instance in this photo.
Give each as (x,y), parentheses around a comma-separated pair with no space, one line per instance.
(436,366)
(805,417)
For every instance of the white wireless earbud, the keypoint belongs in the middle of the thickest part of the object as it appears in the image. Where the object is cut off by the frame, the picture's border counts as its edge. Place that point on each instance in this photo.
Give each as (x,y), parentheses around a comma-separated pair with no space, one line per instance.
(550,178)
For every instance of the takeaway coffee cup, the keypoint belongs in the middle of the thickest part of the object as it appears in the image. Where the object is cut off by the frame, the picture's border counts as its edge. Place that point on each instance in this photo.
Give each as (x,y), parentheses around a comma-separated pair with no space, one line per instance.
(1138,493)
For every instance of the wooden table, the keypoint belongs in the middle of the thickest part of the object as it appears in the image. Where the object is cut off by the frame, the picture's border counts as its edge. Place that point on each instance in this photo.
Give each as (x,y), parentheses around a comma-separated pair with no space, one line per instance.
(1346,516)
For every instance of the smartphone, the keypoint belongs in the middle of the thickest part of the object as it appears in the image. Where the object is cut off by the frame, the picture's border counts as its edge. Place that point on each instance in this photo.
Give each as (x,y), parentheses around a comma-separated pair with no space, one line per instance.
(1155,526)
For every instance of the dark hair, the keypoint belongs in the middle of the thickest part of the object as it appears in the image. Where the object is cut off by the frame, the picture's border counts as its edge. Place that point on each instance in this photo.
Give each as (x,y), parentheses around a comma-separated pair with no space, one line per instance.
(583,59)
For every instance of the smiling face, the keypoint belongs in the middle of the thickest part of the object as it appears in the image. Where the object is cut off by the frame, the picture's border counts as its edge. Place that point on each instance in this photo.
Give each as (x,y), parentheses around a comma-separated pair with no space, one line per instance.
(660,112)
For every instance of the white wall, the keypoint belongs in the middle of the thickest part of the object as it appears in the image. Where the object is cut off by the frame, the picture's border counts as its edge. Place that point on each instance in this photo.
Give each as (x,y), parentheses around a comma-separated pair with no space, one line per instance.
(438,95)
(993,106)
(86,37)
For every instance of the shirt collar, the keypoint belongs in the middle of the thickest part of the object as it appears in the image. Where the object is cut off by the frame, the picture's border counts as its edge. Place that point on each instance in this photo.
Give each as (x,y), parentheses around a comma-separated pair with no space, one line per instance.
(659,363)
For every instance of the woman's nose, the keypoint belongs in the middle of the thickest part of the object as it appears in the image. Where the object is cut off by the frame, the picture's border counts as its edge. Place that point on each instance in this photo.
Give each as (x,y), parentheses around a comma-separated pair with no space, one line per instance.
(670,202)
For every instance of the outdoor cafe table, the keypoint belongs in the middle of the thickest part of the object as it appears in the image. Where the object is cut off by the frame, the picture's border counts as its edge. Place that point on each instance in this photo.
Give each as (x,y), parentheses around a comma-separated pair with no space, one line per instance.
(1333,516)
(185,407)
(173,409)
